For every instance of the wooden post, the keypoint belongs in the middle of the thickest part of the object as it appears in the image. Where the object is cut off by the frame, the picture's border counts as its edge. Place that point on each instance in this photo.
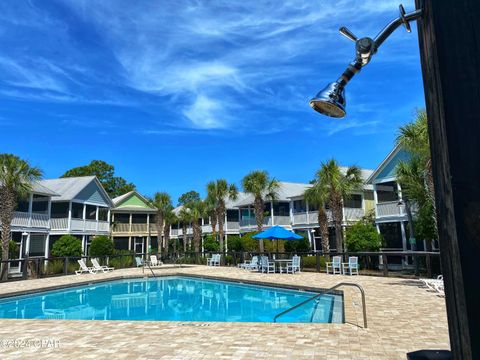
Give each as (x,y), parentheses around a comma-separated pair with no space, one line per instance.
(449,34)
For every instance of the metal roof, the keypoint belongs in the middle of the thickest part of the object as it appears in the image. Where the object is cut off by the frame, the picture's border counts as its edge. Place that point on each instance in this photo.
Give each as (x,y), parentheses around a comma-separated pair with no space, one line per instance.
(43,190)
(70,187)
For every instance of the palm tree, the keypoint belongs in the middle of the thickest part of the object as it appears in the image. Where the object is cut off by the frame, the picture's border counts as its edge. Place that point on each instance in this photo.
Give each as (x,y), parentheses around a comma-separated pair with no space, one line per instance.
(163,203)
(185,218)
(218,192)
(318,195)
(16,181)
(340,184)
(170,218)
(197,211)
(261,186)
(211,211)
(415,176)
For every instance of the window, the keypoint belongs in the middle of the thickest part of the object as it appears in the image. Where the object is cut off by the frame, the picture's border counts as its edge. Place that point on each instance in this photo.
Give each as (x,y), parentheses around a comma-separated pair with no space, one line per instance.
(102,214)
(91,212)
(77,211)
(22,205)
(281,209)
(299,206)
(312,207)
(139,218)
(37,244)
(40,204)
(206,220)
(354,201)
(245,213)
(232,215)
(122,218)
(387,192)
(59,210)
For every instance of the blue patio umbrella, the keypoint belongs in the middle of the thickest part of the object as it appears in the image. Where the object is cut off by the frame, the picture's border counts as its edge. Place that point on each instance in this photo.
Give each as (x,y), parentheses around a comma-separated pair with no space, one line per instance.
(277,233)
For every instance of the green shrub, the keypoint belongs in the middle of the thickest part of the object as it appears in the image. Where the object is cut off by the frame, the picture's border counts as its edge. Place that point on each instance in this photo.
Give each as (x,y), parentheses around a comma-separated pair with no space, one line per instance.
(228,259)
(57,267)
(13,250)
(310,262)
(101,246)
(123,259)
(297,246)
(363,236)
(67,245)
(210,244)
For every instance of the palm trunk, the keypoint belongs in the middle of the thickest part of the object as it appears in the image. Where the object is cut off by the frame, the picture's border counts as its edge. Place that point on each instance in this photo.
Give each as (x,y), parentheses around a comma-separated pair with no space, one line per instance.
(323,225)
(160,234)
(221,222)
(197,235)
(184,229)
(337,213)
(213,220)
(259,205)
(166,238)
(7,209)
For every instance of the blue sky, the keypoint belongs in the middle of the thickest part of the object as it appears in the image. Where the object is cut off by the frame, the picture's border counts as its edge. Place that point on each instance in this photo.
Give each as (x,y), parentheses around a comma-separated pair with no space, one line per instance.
(175,94)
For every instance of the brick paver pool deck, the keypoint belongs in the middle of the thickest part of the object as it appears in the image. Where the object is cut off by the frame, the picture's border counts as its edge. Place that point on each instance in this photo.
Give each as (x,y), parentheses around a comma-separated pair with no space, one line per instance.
(402,317)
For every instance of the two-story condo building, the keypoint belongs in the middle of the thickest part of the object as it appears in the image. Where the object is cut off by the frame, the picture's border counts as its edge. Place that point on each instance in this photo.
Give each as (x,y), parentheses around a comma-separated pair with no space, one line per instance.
(31,222)
(133,223)
(82,209)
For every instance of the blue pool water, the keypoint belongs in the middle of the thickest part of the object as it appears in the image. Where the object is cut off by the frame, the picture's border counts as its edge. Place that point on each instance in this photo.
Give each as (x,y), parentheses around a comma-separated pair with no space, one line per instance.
(172,299)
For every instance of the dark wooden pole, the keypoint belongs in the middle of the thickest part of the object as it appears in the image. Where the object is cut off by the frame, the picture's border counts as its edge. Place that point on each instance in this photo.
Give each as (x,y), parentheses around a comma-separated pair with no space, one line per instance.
(449,34)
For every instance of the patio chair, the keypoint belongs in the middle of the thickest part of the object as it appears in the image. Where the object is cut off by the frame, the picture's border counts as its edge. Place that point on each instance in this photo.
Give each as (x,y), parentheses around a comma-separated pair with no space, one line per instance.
(250,264)
(267,265)
(335,265)
(214,260)
(99,267)
(138,261)
(294,266)
(154,262)
(84,268)
(351,266)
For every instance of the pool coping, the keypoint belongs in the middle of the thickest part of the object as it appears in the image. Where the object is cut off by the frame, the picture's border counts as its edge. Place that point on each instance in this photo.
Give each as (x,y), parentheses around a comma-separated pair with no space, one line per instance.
(340,293)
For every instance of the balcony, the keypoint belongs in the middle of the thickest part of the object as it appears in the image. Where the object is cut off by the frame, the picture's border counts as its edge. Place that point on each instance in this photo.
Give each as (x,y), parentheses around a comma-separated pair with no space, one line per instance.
(353,214)
(61,224)
(389,209)
(24,219)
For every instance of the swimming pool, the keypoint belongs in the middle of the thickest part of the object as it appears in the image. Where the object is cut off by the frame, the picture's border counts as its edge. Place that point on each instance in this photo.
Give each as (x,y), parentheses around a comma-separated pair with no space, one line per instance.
(173,298)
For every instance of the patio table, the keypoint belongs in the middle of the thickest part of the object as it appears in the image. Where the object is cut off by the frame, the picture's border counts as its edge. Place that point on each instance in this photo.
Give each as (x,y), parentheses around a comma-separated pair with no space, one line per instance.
(279,263)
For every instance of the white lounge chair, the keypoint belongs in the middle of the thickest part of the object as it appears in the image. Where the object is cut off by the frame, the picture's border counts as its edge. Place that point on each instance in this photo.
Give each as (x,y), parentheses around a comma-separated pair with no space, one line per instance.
(351,266)
(294,266)
(154,262)
(266,265)
(99,267)
(84,268)
(250,264)
(335,265)
(434,284)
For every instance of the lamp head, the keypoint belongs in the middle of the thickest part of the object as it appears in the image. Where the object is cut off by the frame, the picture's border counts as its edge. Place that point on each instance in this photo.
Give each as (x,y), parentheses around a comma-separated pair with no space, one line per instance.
(330,101)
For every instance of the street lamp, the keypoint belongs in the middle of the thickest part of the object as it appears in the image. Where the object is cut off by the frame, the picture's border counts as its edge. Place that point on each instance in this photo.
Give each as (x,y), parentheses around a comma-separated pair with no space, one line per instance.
(331,101)
(404,203)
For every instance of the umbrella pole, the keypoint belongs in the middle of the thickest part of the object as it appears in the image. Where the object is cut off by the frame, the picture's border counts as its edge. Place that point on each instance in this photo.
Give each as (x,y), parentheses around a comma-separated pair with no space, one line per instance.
(277,248)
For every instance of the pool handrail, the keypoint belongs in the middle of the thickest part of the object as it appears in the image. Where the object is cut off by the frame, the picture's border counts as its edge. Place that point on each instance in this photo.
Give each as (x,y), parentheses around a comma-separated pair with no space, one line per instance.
(323,292)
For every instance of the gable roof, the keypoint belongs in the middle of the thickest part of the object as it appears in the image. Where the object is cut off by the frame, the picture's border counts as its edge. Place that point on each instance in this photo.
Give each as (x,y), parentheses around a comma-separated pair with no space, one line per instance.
(132,201)
(386,167)
(69,188)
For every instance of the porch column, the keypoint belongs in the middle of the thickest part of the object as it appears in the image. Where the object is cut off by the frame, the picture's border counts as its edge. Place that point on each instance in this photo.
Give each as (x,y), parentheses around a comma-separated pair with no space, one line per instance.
(96,219)
(271,213)
(30,210)
(84,216)
(84,247)
(400,197)
(404,242)
(47,245)
(149,240)
(375,200)
(290,212)
(27,244)
(69,226)
(130,223)
(306,212)
(129,243)
(49,212)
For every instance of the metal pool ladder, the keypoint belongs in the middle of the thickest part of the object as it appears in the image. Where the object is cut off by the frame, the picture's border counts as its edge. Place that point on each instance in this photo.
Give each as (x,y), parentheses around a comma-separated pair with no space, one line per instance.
(326,292)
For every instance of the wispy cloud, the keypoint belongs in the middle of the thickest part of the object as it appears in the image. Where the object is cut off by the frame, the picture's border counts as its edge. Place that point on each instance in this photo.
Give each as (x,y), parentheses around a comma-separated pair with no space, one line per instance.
(223,65)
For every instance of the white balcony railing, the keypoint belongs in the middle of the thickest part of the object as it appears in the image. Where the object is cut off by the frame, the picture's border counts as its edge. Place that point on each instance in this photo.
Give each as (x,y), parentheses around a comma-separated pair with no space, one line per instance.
(82,225)
(23,219)
(390,208)
(232,225)
(282,220)
(300,218)
(353,213)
